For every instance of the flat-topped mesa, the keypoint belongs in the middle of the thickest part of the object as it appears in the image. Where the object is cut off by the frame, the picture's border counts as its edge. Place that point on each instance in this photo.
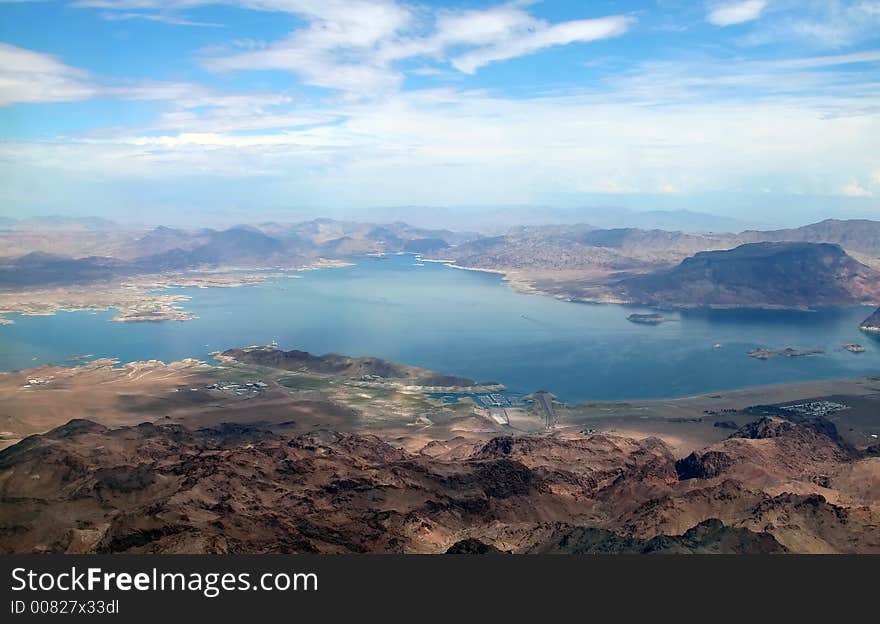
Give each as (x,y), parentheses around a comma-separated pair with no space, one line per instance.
(759,275)
(361,369)
(872,323)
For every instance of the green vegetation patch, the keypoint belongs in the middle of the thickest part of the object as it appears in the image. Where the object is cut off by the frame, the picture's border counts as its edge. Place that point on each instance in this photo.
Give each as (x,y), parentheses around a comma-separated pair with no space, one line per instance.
(303,382)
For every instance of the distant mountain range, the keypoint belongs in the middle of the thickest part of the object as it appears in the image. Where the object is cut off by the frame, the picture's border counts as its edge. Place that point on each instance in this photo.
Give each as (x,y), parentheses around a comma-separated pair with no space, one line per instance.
(57,221)
(276,243)
(828,263)
(682,269)
(497,219)
(238,246)
(859,235)
(580,247)
(569,246)
(165,249)
(43,269)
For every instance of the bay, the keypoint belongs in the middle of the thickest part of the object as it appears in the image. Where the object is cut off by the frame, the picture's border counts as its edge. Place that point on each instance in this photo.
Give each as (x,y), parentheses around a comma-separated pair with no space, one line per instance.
(469,323)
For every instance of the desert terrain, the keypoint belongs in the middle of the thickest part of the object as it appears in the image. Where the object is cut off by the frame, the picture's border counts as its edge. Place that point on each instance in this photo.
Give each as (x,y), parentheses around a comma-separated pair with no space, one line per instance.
(336,454)
(263,450)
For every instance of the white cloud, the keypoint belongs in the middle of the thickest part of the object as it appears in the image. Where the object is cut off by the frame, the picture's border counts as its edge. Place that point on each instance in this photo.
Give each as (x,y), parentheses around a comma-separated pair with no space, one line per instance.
(824,23)
(854,189)
(337,49)
(164,18)
(870,56)
(32,77)
(850,89)
(838,24)
(451,146)
(27,77)
(731,13)
(354,45)
(540,37)
(661,127)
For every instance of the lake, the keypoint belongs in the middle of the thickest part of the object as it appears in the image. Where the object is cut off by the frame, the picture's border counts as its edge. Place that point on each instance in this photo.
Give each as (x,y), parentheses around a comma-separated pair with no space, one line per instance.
(468,323)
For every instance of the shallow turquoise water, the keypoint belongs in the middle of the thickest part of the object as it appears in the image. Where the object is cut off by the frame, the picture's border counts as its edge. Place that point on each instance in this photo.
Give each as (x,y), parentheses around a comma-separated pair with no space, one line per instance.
(468,323)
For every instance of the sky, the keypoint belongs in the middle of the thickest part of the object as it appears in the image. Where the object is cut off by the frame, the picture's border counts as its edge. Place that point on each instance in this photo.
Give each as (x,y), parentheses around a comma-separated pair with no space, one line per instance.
(167,111)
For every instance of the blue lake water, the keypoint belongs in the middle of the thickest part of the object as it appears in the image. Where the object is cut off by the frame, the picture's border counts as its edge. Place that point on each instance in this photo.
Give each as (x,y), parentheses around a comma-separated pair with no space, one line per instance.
(468,323)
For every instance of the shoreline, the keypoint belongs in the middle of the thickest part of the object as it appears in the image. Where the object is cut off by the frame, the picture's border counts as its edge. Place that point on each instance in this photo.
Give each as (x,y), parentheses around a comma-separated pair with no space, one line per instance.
(514,281)
(139,299)
(685,423)
(523,283)
(729,392)
(135,303)
(714,394)
(138,305)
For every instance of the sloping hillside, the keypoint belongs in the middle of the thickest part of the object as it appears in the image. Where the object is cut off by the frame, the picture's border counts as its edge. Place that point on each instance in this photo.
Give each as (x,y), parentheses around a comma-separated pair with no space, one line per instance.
(785,275)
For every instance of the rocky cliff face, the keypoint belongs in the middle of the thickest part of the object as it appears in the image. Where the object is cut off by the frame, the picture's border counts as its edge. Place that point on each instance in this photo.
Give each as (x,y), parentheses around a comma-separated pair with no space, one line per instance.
(872,323)
(242,489)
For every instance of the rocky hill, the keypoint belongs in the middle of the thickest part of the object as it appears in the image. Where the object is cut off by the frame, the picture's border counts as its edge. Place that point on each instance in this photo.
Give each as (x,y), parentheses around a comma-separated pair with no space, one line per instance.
(344,366)
(788,275)
(165,249)
(872,323)
(577,262)
(578,248)
(773,487)
(861,235)
(44,269)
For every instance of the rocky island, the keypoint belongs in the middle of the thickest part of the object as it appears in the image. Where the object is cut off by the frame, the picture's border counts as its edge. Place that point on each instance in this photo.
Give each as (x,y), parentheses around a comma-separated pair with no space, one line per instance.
(365,371)
(647,319)
(766,354)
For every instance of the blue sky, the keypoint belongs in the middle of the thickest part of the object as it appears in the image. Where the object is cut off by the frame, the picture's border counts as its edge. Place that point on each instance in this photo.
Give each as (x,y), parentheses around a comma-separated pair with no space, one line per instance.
(193,110)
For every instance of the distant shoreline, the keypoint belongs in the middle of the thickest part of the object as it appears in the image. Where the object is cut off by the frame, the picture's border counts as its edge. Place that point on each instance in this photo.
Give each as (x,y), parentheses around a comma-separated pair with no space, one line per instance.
(133,298)
(761,393)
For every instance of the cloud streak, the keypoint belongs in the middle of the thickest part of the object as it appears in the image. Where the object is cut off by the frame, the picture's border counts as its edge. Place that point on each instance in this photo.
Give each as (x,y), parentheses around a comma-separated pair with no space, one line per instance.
(163,18)
(732,13)
(356,46)
(540,36)
(819,23)
(29,77)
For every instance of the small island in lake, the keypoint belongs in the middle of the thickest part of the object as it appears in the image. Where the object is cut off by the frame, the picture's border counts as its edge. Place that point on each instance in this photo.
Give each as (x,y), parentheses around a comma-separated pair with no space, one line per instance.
(647,319)
(766,354)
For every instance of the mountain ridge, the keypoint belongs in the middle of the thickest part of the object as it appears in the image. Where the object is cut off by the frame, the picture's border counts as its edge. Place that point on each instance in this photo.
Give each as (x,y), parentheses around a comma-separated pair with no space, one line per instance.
(238,488)
(579,261)
(786,274)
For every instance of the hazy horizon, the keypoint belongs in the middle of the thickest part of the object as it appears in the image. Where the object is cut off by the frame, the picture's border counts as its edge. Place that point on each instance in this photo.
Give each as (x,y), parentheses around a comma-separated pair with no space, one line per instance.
(482,219)
(184,111)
